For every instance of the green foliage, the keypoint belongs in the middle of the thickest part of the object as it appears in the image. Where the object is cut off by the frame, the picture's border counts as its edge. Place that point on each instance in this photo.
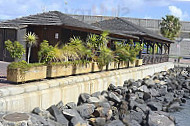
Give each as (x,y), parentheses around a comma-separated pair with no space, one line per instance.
(105,57)
(23,66)
(170,27)
(76,50)
(46,53)
(127,52)
(31,39)
(122,52)
(15,49)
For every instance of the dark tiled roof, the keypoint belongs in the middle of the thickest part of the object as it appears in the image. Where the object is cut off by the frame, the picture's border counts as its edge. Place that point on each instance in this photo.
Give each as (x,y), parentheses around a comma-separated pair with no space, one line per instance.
(47,18)
(54,18)
(124,26)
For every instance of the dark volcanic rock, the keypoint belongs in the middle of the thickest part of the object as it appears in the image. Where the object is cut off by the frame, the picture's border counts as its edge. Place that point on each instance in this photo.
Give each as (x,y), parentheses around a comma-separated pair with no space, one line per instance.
(85,110)
(155,106)
(59,117)
(115,123)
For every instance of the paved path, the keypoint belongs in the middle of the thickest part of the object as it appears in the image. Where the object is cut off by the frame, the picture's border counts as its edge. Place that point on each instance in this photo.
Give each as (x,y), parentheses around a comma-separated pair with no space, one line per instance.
(3,74)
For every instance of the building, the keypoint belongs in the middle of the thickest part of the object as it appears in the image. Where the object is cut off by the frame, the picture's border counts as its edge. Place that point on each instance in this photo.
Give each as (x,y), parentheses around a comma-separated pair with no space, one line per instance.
(58,28)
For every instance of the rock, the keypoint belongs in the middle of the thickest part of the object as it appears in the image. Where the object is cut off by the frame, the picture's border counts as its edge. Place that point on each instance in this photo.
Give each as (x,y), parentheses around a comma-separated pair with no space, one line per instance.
(96,94)
(103,112)
(97,121)
(36,110)
(83,98)
(173,106)
(115,123)
(133,123)
(85,110)
(156,119)
(144,88)
(146,96)
(38,119)
(169,97)
(59,117)
(149,82)
(60,105)
(74,117)
(111,87)
(154,92)
(71,105)
(113,97)
(163,90)
(155,106)
(93,100)
(138,116)
(157,81)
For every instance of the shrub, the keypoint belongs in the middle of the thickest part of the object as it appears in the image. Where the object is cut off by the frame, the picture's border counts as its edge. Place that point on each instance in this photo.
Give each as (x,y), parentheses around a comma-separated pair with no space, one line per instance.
(15,49)
(46,53)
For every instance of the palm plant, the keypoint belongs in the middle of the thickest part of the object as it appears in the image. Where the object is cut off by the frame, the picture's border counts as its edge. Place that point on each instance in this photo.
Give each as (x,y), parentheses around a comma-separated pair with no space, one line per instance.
(170,27)
(31,39)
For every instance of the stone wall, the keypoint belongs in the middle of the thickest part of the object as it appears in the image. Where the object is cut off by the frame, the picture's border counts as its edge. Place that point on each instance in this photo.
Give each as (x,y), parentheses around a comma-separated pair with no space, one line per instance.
(43,94)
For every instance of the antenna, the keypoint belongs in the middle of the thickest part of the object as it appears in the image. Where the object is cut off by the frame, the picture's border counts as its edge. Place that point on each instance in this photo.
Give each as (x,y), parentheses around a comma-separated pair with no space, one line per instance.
(43,8)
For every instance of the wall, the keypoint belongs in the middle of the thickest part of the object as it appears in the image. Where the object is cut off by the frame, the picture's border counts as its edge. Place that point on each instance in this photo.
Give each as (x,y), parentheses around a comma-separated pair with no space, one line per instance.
(46,93)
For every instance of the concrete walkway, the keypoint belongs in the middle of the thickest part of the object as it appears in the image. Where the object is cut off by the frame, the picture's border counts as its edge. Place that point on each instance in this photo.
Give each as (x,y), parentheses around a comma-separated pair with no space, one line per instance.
(3,74)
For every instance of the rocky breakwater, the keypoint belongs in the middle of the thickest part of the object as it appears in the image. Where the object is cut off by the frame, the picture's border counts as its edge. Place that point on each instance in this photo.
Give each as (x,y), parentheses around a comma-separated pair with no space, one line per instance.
(143,102)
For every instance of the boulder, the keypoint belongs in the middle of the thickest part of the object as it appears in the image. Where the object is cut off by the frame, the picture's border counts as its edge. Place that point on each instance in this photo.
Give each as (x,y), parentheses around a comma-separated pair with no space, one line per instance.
(173,106)
(97,121)
(74,117)
(83,98)
(93,100)
(113,97)
(59,117)
(144,88)
(154,106)
(146,96)
(155,119)
(115,123)
(85,110)
(96,94)
(71,105)
(138,116)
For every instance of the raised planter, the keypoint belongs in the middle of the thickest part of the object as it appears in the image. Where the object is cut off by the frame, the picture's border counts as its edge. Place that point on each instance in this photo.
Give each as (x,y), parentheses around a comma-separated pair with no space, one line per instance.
(33,73)
(132,64)
(112,66)
(96,68)
(83,68)
(59,70)
(123,64)
(139,62)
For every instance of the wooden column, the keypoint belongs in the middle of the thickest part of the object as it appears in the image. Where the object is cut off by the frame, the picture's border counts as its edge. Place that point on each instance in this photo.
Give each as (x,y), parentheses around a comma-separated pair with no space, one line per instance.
(168,49)
(140,53)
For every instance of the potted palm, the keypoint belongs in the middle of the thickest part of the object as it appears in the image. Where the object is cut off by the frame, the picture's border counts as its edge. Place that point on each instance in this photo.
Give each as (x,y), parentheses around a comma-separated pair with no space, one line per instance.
(122,54)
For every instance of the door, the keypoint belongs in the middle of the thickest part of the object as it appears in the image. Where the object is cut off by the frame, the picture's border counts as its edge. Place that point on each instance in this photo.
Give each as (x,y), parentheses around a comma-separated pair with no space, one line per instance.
(9,34)
(1,45)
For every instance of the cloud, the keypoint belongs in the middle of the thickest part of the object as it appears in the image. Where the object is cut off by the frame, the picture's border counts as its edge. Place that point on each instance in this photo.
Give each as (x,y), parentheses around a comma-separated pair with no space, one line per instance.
(178,12)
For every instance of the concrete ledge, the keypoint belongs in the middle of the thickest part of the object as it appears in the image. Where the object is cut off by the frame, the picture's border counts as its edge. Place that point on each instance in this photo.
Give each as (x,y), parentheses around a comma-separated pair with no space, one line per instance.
(45,93)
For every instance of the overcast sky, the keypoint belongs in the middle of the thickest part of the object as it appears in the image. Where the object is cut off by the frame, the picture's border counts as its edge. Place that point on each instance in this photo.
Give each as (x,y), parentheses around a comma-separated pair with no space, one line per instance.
(155,9)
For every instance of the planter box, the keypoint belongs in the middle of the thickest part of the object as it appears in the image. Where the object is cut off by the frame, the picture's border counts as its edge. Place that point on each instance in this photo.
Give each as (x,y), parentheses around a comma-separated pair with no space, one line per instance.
(81,69)
(132,64)
(113,66)
(139,62)
(34,73)
(123,64)
(96,68)
(59,70)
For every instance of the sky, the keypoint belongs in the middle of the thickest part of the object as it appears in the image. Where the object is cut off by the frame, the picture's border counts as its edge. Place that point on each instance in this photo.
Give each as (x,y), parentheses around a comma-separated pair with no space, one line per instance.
(149,9)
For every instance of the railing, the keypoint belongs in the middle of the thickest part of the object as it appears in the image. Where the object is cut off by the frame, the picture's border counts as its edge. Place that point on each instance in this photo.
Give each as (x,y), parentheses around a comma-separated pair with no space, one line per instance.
(153,59)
